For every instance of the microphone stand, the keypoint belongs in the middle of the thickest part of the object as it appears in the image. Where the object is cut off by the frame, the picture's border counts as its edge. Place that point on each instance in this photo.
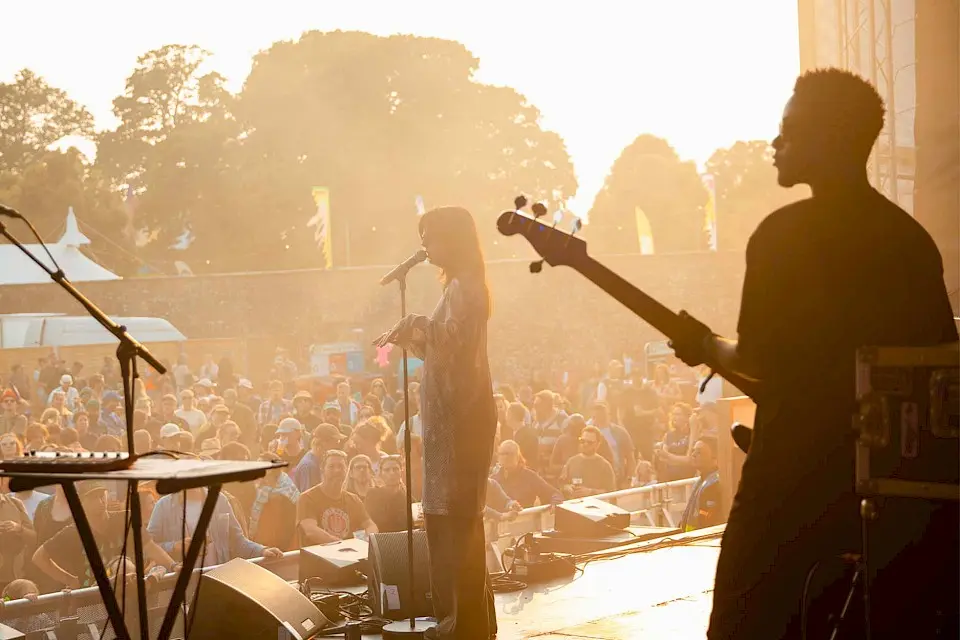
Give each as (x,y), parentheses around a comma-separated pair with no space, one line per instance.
(128,351)
(411,628)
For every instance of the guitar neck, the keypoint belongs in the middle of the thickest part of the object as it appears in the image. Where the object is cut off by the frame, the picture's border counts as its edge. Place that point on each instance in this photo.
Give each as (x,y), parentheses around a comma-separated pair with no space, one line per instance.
(660,317)
(654,313)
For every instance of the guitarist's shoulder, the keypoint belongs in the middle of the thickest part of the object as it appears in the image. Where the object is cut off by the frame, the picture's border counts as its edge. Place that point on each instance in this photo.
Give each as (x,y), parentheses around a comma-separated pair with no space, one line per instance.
(785,220)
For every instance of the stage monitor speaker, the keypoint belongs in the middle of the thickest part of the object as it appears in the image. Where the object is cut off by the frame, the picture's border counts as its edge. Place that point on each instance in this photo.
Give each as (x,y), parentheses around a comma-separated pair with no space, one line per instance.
(389,575)
(240,599)
(338,563)
(589,517)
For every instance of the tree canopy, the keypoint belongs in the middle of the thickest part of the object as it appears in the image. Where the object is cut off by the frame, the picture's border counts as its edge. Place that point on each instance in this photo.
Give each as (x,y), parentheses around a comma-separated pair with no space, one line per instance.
(650,175)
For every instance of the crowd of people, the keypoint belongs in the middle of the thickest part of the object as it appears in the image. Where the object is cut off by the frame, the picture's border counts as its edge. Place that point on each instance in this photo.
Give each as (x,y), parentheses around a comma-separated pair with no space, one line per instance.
(344,456)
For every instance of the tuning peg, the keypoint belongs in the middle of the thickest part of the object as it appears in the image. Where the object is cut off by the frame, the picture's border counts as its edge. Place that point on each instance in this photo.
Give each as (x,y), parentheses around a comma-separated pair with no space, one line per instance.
(536,267)
(577,225)
(520,202)
(539,209)
(557,217)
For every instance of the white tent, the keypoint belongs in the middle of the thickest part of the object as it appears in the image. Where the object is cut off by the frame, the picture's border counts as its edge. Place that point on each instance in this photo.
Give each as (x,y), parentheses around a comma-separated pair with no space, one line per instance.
(19,331)
(16,268)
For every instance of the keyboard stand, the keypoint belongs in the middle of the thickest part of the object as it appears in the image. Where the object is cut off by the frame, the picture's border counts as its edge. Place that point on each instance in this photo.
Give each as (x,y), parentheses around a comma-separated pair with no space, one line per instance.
(171,476)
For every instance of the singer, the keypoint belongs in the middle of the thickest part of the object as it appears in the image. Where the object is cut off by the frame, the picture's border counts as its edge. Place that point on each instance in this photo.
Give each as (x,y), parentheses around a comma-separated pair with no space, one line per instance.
(459,420)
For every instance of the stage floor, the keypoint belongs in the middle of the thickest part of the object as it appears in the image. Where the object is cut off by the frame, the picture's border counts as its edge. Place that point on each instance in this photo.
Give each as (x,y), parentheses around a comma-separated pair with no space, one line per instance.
(663,593)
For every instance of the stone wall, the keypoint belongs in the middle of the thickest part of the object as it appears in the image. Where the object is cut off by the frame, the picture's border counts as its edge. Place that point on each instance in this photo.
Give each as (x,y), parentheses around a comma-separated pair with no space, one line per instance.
(538,320)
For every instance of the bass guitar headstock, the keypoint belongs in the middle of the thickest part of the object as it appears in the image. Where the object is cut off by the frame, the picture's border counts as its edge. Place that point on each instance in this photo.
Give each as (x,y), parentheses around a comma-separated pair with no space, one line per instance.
(555,246)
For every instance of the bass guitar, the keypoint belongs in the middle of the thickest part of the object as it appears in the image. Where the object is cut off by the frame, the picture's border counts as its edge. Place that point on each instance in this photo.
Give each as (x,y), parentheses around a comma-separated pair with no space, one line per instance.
(559,248)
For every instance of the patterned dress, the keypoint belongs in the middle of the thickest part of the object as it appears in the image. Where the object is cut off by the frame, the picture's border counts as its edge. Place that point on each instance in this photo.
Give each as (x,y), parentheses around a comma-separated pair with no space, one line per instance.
(457,408)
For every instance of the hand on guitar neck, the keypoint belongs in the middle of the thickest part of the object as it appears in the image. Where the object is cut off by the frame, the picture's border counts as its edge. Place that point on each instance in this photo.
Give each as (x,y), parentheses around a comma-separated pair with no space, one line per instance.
(694,343)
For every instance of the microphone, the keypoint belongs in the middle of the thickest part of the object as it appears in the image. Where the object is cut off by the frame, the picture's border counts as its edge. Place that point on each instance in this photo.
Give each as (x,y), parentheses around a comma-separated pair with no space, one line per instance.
(401,269)
(10,212)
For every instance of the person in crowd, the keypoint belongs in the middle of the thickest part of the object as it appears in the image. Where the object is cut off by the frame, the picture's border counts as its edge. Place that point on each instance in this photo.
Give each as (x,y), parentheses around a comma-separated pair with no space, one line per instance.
(641,412)
(22,589)
(81,422)
(366,440)
(413,391)
(588,473)
(228,432)
(309,471)
(16,535)
(331,415)
(520,482)
(705,506)
(327,513)
(209,369)
(209,448)
(548,425)
(168,412)
(610,387)
(186,441)
(274,408)
(666,387)
(170,437)
(289,442)
(645,474)
(62,557)
(349,408)
(387,503)
(568,444)
(204,388)
(224,537)
(303,410)
(243,415)
(142,442)
(624,455)
(70,394)
(672,455)
(8,417)
(360,476)
(58,403)
(189,413)
(111,420)
(10,447)
(273,516)
(36,434)
(379,389)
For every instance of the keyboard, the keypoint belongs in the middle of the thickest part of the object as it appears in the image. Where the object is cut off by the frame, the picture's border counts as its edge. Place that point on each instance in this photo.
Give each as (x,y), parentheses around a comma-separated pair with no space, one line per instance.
(66,462)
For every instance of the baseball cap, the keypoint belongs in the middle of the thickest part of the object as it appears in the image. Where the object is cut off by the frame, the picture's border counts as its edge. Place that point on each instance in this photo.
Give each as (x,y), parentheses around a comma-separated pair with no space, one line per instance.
(221,408)
(289,425)
(204,382)
(246,384)
(303,395)
(169,430)
(66,379)
(327,431)
(8,394)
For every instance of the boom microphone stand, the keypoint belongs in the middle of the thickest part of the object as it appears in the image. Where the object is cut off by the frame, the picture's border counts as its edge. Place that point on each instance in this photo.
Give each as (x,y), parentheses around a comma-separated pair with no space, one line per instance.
(411,627)
(127,353)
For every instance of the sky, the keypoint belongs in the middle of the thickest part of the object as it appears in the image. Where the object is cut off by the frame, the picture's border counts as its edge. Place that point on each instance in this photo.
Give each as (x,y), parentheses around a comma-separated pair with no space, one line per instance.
(700,73)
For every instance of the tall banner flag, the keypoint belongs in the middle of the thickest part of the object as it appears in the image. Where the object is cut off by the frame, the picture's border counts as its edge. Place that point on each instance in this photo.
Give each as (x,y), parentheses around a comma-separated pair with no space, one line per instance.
(644,233)
(421,208)
(321,220)
(710,210)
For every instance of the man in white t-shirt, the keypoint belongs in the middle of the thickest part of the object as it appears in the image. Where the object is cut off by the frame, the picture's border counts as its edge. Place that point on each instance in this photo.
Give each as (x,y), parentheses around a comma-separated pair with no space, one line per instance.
(189,413)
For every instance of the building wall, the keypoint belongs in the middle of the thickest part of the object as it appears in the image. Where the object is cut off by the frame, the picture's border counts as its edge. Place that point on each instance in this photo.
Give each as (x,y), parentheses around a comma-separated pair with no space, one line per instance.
(538,320)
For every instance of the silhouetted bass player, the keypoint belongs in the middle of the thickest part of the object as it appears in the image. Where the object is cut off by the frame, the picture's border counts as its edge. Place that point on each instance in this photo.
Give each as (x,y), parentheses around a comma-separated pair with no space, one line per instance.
(843,269)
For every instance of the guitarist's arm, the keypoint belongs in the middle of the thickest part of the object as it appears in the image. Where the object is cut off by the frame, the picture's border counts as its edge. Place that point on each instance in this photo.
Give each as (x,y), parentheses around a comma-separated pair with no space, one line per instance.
(728,361)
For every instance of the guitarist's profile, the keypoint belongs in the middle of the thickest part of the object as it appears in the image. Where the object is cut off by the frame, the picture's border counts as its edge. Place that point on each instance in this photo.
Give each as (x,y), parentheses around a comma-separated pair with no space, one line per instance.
(842,269)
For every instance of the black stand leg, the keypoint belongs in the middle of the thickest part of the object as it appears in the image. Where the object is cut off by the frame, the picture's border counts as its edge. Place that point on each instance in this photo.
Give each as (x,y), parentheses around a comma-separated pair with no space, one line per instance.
(403,628)
(193,552)
(128,372)
(96,562)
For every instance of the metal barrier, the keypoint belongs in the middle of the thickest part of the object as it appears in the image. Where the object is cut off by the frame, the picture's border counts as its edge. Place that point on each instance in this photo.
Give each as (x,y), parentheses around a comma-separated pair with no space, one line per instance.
(76,613)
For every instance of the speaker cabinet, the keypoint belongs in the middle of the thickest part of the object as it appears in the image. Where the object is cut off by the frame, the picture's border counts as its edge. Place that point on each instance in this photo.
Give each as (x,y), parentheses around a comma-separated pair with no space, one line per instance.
(243,600)
(338,563)
(589,517)
(389,576)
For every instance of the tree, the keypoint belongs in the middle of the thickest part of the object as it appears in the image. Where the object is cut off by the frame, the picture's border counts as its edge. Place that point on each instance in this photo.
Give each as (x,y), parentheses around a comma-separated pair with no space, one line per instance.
(649,174)
(747,190)
(33,117)
(380,121)
(173,149)
(45,189)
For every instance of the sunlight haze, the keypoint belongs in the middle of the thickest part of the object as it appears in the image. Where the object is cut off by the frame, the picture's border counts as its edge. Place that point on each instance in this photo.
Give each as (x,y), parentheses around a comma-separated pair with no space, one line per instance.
(700,73)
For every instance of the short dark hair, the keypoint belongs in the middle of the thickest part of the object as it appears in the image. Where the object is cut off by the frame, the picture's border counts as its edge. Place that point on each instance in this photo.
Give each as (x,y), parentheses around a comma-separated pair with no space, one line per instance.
(845,103)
